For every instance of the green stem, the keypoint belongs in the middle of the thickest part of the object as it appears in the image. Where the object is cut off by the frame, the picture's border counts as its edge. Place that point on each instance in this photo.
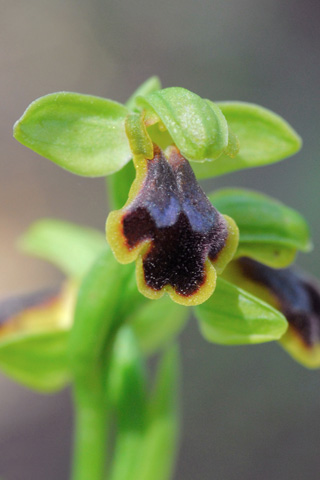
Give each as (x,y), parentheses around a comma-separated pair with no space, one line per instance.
(90,437)
(89,354)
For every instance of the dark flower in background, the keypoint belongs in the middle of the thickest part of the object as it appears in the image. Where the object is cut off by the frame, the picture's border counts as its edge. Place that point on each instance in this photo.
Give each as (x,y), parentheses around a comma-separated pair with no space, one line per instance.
(295,294)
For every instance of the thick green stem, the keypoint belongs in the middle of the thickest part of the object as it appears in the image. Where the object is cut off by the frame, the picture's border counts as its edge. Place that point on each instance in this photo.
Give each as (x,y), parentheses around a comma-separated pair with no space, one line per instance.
(90,437)
(89,350)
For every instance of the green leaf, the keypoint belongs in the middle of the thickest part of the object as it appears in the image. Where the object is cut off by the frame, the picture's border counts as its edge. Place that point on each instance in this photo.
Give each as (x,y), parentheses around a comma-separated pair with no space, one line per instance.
(156,323)
(149,86)
(233,316)
(83,134)
(196,127)
(70,247)
(37,360)
(264,138)
(159,446)
(270,232)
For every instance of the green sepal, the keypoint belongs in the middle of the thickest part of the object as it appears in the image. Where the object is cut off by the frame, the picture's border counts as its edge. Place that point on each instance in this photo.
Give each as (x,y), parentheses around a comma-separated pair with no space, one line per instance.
(149,86)
(37,360)
(157,323)
(159,446)
(83,134)
(197,127)
(233,316)
(264,138)
(127,391)
(270,232)
(70,247)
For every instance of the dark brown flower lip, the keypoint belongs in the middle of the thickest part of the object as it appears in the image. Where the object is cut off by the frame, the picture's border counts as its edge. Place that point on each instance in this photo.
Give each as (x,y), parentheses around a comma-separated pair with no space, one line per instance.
(170,188)
(297,295)
(172,222)
(172,210)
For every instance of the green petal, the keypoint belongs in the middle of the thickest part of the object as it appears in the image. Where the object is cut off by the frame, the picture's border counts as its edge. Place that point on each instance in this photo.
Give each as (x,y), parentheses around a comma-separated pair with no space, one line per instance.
(149,86)
(264,138)
(83,134)
(139,140)
(232,316)
(70,247)
(197,127)
(156,323)
(269,231)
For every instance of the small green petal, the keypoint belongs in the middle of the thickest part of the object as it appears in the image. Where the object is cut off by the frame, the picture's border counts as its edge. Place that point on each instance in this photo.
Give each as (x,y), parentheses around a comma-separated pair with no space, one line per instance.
(270,232)
(197,127)
(70,247)
(83,134)
(139,140)
(119,183)
(264,138)
(232,316)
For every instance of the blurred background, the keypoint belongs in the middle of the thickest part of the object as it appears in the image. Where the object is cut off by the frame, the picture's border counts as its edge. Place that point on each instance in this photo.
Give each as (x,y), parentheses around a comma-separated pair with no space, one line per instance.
(249,412)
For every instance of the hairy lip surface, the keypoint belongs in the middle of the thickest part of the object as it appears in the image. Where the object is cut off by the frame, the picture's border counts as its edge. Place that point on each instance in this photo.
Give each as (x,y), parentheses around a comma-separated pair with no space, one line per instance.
(173,212)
